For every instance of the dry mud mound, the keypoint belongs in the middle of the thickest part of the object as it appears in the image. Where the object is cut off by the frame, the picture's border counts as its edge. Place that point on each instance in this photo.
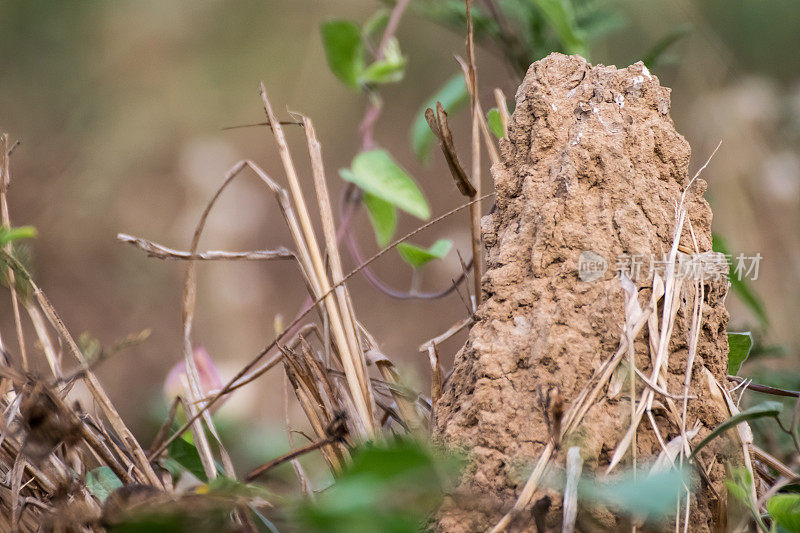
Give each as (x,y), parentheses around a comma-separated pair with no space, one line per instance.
(592,163)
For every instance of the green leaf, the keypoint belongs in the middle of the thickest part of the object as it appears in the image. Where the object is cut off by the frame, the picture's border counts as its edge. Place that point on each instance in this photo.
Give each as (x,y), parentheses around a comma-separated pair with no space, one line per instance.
(383,216)
(383,72)
(739,345)
(762,410)
(651,495)
(749,298)
(388,70)
(598,19)
(378,174)
(739,490)
(418,257)
(453,95)
(344,50)
(452,13)
(740,286)
(8,235)
(389,488)
(739,486)
(561,17)
(186,455)
(656,54)
(495,122)
(101,482)
(785,510)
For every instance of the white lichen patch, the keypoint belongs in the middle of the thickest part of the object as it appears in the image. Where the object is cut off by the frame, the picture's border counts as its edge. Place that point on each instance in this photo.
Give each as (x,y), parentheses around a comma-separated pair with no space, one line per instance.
(600,118)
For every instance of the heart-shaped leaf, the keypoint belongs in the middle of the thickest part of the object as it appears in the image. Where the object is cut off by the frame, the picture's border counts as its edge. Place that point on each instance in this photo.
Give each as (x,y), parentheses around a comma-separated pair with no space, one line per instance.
(495,122)
(375,172)
(739,345)
(418,257)
(383,216)
(344,50)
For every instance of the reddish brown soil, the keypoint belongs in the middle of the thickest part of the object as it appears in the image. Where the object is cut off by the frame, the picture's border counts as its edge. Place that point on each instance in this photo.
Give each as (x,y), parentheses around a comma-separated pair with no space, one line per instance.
(592,163)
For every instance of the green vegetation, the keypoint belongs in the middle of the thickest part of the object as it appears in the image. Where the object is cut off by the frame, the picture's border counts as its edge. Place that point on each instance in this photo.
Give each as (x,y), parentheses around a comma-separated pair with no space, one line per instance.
(392,480)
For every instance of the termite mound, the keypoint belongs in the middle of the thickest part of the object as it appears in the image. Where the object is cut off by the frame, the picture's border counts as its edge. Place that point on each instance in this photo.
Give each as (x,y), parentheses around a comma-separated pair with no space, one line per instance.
(592,163)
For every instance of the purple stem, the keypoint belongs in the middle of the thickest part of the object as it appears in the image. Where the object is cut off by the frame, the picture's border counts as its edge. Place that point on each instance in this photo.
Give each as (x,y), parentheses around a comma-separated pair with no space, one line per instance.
(348,209)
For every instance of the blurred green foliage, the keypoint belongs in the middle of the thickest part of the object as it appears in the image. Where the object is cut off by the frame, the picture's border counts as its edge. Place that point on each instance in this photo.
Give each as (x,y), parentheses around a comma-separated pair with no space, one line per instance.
(658,53)
(344,50)
(652,496)
(762,36)
(388,488)
(53,40)
(101,482)
(785,511)
(740,286)
(739,485)
(529,30)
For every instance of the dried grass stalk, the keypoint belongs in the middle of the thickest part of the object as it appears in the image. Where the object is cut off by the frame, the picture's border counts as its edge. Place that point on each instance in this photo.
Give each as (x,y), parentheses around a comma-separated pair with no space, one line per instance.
(342,326)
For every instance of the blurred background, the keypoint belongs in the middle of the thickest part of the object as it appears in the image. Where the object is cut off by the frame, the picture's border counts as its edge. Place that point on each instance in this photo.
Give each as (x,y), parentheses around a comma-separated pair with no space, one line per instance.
(120,109)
